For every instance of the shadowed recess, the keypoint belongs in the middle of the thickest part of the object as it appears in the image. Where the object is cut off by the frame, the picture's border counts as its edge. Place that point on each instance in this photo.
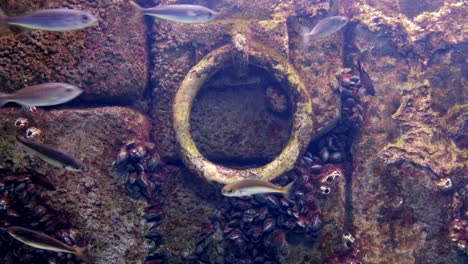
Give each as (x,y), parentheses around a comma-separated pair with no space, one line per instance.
(233,123)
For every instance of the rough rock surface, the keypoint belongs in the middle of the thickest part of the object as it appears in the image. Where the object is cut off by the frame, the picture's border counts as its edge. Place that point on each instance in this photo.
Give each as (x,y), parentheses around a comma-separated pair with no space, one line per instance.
(410,143)
(110,221)
(237,113)
(190,202)
(405,180)
(303,249)
(108,61)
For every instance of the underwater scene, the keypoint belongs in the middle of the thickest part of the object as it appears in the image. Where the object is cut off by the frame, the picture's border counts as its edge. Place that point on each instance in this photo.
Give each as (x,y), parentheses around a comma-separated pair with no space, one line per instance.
(234,131)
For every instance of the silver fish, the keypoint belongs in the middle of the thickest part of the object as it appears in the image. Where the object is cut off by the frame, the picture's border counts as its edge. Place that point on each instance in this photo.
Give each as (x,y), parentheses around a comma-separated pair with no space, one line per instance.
(45,94)
(179,13)
(51,155)
(42,241)
(324,28)
(254,186)
(60,19)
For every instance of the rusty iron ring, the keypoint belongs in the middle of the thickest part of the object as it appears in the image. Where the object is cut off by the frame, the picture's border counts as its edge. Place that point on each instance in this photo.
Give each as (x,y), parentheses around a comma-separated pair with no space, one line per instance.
(284,73)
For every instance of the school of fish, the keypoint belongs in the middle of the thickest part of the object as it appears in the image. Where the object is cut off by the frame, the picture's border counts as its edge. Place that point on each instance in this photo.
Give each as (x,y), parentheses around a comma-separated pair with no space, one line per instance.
(49,94)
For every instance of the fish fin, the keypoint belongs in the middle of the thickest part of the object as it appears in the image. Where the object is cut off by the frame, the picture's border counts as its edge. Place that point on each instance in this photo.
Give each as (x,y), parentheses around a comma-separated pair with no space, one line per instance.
(138,8)
(216,14)
(304,33)
(3,97)
(359,66)
(82,254)
(252,176)
(362,69)
(139,11)
(29,108)
(287,190)
(191,13)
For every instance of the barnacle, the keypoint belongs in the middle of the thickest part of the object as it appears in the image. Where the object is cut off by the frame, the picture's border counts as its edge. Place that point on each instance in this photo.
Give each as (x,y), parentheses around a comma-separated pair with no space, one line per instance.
(348,240)
(445,184)
(325,190)
(277,100)
(21,122)
(33,132)
(332,177)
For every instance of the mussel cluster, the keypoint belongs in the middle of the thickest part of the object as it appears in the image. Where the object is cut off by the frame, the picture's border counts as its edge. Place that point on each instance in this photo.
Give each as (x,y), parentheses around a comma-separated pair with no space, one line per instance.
(139,163)
(459,233)
(334,147)
(255,229)
(21,205)
(352,106)
(154,217)
(458,229)
(136,161)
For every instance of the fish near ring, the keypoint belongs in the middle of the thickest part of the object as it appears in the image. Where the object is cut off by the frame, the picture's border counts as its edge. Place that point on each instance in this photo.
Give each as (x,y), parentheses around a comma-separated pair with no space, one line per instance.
(280,69)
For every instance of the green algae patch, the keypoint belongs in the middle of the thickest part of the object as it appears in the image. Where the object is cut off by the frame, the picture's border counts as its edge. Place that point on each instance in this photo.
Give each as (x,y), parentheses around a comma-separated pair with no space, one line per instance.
(424,142)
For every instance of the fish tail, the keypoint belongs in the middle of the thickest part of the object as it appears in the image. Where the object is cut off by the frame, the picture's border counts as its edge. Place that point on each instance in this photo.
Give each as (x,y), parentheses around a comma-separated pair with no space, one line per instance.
(287,189)
(216,14)
(3,97)
(82,254)
(139,11)
(136,6)
(3,21)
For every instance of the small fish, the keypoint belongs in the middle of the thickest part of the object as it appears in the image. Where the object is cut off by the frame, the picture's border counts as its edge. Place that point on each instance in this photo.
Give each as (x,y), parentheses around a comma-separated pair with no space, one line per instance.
(254,186)
(324,28)
(42,241)
(51,155)
(365,79)
(60,19)
(179,13)
(45,94)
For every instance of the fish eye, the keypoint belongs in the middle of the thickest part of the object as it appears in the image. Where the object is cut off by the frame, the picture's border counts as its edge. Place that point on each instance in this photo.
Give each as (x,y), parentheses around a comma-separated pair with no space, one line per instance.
(84,18)
(69,90)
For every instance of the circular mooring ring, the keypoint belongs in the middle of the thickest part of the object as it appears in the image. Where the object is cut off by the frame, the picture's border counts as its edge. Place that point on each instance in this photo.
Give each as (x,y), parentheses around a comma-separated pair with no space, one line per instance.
(284,73)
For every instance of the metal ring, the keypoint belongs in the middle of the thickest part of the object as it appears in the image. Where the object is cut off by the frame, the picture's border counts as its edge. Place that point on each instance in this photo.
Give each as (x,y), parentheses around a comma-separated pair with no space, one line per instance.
(284,73)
